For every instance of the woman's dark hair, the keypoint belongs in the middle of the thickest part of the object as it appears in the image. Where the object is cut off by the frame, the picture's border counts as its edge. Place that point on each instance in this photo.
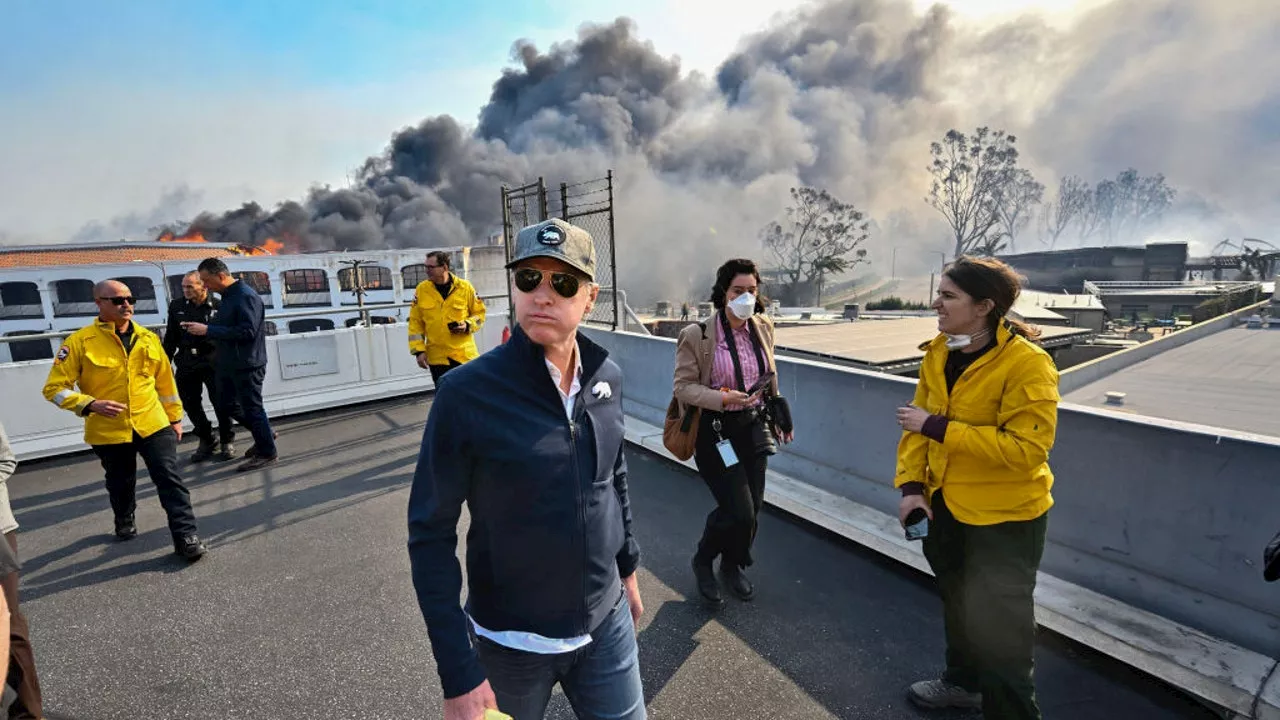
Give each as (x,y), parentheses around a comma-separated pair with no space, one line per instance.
(724,279)
(986,278)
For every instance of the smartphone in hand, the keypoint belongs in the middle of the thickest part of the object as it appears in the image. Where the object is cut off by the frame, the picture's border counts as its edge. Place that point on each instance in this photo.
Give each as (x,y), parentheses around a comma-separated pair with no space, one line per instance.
(761,383)
(917,524)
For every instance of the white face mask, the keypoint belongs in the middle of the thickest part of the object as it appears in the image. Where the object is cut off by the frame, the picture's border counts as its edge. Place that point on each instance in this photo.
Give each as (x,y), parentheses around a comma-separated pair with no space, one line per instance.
(957,342)
(743,306)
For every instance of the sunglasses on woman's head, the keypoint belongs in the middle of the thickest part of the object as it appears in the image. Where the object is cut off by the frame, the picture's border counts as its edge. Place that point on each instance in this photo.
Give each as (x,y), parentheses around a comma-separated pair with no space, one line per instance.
(565,284)
(120,300)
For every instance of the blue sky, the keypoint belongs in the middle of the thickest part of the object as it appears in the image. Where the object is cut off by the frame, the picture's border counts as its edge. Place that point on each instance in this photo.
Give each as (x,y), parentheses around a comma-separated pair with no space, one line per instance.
(108,106)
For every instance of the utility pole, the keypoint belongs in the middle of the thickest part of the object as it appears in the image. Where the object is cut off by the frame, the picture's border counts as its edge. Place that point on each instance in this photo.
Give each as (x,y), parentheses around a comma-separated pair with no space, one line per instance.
(357,281)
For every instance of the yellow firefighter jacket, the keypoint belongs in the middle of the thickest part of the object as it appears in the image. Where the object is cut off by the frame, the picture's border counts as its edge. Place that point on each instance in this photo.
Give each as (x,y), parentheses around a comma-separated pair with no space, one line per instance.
(1002,417)
(95,360)
(430,317)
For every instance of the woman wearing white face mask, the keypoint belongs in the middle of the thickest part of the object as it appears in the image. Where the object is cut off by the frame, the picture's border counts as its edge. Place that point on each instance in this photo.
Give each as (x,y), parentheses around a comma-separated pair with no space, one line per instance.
(725,368)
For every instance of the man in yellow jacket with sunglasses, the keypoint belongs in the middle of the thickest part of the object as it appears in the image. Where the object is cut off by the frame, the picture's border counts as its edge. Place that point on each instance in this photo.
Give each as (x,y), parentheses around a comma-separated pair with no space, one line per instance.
(129,399)
(445,316)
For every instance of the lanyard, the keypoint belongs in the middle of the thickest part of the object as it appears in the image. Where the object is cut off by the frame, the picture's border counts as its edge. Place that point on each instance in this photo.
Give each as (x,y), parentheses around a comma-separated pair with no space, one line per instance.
(733,348)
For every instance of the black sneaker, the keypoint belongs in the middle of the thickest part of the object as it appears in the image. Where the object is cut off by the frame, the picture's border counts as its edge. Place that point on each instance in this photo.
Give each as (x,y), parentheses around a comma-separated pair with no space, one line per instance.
(737,581)
(255,462)
(227,451)
(205,451)
(252,452)
(125,528)
(708,588)
(189,547)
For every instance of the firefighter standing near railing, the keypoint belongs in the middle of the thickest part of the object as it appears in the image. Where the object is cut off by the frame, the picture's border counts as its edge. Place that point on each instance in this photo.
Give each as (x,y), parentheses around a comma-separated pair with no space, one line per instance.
(129,400)
(445,316)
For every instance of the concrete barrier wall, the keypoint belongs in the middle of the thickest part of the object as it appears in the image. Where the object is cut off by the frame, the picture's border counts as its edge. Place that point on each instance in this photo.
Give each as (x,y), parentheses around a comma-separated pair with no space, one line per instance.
(1078,376)
(1168,518)
(305,372)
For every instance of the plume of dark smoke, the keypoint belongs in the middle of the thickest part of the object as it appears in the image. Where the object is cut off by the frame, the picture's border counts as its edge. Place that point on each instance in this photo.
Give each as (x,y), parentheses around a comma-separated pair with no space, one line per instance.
(845,95)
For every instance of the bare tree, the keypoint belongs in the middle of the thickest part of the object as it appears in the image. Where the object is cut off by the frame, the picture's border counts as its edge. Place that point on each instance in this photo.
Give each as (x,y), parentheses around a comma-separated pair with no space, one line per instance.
(969,176)
(817,239)
(1015,203)
(1131,205)
(1069,207)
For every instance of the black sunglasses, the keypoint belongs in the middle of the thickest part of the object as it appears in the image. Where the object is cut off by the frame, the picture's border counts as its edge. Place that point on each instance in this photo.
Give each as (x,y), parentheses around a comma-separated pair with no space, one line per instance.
(565,284)
(120,300)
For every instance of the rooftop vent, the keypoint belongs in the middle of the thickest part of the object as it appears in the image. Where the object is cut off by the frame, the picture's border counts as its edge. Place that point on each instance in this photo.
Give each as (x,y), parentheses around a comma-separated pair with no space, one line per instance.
(1115,398)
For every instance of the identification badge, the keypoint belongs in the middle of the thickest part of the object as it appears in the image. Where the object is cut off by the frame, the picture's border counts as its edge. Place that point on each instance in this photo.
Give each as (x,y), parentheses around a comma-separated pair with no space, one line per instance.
(727,454)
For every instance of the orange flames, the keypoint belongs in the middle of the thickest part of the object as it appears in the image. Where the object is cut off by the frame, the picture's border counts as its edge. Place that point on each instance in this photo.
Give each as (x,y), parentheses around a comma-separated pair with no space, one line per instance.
(168,236)
(270,246)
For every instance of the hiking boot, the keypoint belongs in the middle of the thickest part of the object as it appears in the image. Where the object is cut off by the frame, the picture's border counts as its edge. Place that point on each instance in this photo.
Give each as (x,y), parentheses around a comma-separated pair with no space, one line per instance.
(707,585)
(125,528)
(189,547)
(205,451)
(937,694)
(227,451)
(252,452)
(737,581)
(255,462)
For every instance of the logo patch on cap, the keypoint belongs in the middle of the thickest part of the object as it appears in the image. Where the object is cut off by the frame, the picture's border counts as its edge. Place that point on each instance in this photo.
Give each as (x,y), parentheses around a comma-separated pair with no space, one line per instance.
(551,235)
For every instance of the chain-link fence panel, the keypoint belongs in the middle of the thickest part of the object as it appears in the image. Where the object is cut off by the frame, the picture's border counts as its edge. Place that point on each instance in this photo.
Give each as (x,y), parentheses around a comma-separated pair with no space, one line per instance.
(589,205)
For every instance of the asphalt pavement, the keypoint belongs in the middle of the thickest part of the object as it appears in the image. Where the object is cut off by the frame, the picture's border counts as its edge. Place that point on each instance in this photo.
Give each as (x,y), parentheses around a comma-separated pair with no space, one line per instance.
(304,608)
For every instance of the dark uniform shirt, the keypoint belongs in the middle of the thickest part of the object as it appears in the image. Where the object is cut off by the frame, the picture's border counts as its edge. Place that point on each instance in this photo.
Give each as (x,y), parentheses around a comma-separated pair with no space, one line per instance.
(189,352)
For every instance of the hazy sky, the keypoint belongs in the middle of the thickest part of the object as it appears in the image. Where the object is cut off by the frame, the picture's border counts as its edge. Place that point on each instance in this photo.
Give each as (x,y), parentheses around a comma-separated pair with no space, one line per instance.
(105,107)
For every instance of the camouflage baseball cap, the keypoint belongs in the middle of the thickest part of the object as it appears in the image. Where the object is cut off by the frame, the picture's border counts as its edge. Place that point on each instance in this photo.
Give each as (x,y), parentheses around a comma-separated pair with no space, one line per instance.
(556,239)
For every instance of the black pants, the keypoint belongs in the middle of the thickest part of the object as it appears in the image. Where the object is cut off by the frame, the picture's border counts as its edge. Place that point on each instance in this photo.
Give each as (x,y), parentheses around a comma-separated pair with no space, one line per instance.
(438,371)
(190,384)
(240,393)
(738,490)
(159,452)
(987,578)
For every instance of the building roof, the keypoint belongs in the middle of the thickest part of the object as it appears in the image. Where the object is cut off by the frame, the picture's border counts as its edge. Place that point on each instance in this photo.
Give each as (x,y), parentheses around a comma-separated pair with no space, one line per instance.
(1230,379)
(1171,288)
(885,343)
(1059,301)
(25,256)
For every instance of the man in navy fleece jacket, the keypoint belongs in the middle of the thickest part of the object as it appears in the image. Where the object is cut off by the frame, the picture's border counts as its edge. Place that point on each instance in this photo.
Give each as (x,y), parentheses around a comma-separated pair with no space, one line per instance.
(530,436)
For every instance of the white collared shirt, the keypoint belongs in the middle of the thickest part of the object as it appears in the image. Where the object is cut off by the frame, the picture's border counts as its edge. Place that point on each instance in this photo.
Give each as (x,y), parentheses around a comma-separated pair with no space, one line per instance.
(527,641)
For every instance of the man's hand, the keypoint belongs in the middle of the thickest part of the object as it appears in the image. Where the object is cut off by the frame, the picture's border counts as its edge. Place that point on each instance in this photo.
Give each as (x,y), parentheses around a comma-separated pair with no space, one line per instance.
(106,408)
(459,328)
(911,502)
(912,418)
(195,328)
(632,587)
(785,437)
(472,705)
(422,361)
(177,430)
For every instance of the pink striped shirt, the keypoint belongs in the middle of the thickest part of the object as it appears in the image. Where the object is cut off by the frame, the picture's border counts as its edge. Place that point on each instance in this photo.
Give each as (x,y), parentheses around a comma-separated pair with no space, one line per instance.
(722,374)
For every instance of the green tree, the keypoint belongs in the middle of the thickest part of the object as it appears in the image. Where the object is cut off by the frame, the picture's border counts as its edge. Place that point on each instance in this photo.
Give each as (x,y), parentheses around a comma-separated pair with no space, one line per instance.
(970,176)
(822,235)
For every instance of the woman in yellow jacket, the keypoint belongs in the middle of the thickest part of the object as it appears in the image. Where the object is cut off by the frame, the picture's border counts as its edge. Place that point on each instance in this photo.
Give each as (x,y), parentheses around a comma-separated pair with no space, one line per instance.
(973,459)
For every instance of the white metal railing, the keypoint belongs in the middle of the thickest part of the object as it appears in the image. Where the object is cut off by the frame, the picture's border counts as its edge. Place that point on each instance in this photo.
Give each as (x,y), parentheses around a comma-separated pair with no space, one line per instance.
(346,310)
(1099,287)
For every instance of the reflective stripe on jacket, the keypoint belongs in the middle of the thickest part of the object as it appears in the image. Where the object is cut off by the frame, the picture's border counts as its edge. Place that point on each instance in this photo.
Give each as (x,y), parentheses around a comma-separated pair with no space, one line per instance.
(94,360)
(429,320)
(1002,418)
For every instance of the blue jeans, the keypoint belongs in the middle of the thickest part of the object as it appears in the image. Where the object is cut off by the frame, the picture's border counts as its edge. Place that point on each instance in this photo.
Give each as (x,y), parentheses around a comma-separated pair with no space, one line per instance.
(601,680)
(240,392)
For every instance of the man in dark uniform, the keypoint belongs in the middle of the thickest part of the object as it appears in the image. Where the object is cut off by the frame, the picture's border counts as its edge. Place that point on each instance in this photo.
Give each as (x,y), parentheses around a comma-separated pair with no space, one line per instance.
(193,365)
(240,362)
